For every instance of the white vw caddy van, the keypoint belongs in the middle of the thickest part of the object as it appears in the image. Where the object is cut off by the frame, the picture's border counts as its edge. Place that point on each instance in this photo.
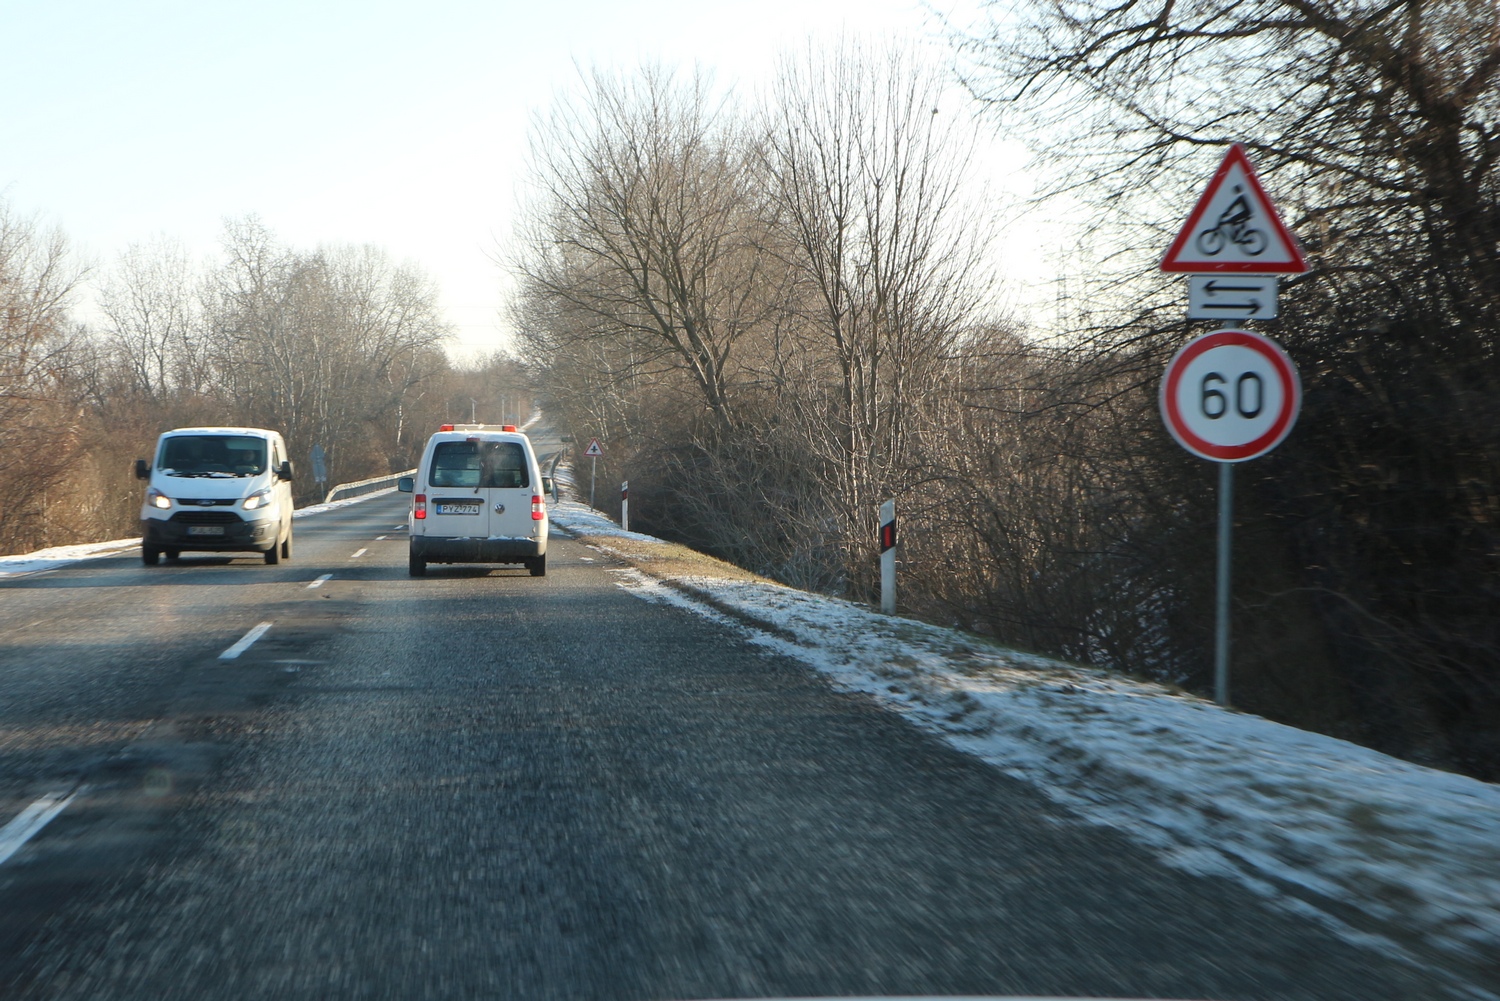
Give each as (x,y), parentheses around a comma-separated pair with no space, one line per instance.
(478,497)
(217,489)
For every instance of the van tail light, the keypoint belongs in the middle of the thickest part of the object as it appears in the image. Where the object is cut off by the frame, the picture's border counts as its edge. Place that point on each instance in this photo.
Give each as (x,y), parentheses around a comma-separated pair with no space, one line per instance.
(419,506)
(507,427)
(446,427)
(538,509)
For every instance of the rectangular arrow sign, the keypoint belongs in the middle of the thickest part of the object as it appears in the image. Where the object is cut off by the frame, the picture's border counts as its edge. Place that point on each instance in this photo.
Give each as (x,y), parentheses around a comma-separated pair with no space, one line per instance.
(1232,297)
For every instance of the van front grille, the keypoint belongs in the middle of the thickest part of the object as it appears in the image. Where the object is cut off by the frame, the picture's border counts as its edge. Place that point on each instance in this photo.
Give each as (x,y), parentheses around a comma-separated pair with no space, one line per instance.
(206,518)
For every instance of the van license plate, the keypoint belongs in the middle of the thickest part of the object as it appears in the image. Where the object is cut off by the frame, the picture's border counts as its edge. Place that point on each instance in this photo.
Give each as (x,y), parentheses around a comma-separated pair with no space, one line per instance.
(205,529)
(462,507)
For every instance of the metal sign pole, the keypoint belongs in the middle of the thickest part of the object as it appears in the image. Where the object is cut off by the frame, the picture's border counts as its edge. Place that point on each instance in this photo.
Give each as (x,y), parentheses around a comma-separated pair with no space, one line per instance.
(593,468)
(1221,618)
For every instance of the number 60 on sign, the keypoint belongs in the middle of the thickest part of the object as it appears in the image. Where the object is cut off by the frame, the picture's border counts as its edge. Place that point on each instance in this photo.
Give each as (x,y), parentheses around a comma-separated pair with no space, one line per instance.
(1230,395)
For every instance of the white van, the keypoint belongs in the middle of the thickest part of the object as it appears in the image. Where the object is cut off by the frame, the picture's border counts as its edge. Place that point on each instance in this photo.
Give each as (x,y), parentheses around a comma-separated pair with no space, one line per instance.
(478,497)
(217,489)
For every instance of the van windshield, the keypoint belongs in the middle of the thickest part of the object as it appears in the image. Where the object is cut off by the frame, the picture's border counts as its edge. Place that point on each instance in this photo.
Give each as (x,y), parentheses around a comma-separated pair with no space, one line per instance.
(212,455)
(478,464)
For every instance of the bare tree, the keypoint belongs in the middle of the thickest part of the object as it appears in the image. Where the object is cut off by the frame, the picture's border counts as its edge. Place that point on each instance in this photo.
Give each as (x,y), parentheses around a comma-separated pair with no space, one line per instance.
(877,221)
(1380,123)
(38,429)
(642,232)
(1382,119)
(325,346)
(150,301)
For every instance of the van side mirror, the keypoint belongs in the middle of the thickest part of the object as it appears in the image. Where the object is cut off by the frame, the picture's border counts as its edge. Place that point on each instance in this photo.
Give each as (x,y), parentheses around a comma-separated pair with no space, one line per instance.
(548,487)
(405,485)
(142,471)
(285,472)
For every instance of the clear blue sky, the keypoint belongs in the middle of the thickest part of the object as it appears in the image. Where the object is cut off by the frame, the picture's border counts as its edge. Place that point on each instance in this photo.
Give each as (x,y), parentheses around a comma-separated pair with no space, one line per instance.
(397,124)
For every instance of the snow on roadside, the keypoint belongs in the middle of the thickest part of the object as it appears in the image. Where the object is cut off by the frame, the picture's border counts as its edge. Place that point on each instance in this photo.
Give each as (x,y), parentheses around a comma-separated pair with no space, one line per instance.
(51,559)
(1370,844)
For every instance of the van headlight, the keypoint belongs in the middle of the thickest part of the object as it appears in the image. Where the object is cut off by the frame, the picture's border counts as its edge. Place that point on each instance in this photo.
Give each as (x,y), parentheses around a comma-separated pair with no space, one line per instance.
(155,498)
(258,499)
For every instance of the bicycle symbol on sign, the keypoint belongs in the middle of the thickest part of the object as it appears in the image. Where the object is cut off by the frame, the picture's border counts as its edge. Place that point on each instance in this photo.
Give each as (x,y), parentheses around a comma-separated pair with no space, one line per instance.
(1231,229)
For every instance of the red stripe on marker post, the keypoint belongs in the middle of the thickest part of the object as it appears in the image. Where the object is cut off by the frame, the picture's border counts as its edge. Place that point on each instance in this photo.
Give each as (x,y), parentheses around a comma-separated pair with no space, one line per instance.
(888,557)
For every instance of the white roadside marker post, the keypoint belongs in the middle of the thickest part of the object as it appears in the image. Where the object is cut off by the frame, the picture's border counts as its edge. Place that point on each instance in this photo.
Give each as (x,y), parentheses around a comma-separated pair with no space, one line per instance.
(625,505)
(888,557)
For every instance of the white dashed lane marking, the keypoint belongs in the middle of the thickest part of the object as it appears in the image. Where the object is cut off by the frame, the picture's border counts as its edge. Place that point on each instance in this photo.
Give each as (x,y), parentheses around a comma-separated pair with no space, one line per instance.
(358,553)
(319,581)
(245,642)
(31,820)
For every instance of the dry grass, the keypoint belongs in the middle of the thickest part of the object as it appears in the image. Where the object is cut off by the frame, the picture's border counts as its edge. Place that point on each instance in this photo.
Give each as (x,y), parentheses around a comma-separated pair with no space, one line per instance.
(667,561)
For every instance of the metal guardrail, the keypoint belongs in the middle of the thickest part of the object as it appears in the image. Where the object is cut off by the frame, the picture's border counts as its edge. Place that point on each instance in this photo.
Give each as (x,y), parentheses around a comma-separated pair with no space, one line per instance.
(361,487)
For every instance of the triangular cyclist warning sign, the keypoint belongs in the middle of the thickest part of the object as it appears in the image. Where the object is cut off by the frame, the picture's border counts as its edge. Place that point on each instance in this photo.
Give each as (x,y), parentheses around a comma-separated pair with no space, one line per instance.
(1234,228)
(593,448)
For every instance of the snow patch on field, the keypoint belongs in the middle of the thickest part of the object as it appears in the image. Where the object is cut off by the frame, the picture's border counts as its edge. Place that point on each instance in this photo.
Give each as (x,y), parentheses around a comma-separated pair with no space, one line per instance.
(1372,845)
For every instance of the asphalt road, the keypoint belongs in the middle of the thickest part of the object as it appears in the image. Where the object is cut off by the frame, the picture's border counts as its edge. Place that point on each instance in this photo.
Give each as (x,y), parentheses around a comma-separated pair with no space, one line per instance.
(487,785)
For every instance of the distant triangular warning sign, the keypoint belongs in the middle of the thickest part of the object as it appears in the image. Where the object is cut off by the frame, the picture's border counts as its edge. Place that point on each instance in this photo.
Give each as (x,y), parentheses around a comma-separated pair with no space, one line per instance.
(1234,228)
(593,448)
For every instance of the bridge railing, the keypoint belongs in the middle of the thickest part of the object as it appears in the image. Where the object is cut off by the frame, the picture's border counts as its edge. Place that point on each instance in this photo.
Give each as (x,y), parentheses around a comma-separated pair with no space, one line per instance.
(361,487)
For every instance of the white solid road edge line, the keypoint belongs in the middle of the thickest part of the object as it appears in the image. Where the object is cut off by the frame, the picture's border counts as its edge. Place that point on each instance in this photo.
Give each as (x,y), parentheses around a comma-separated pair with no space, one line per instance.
(319,581)
(31,820)
(245,641)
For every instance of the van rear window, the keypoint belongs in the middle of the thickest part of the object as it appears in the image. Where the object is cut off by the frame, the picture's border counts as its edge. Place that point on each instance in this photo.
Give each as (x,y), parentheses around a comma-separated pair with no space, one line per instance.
(478,464)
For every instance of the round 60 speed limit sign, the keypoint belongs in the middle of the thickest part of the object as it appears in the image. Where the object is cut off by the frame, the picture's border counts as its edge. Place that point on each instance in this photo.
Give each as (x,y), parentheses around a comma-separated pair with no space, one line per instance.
(1230,395)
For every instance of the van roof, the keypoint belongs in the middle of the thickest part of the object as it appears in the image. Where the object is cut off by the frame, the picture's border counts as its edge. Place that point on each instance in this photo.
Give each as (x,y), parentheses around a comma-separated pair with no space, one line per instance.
(491,431)
(258,432)
(453,428)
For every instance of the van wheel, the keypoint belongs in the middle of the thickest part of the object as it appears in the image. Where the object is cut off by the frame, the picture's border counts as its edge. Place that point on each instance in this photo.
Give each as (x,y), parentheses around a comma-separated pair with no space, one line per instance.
(416,566)
(537,565)
(286,547)
(150,555)
(273,555)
